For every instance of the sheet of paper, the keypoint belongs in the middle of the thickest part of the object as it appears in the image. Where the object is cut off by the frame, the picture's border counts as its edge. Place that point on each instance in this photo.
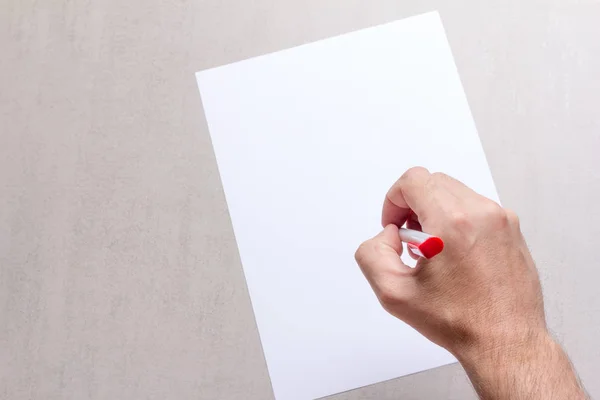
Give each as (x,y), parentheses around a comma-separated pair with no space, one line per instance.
(308,141)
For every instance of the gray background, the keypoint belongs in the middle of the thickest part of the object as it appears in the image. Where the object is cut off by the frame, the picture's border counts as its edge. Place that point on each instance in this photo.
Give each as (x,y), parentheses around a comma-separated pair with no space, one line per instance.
(119,274)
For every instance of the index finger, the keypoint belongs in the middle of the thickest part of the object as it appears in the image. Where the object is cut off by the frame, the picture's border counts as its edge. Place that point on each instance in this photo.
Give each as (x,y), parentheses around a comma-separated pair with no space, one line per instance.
(408,193)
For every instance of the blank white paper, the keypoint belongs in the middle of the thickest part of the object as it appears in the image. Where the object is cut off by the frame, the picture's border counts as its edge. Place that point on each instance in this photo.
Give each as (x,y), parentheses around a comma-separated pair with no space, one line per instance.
(308,141)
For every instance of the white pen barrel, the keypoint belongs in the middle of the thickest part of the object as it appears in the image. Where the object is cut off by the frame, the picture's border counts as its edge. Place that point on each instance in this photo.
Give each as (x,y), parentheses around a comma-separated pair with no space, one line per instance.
(411,236)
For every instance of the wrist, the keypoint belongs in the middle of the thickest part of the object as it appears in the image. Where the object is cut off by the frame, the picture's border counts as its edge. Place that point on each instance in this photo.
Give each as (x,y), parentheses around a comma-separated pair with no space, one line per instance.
(505,347)
(531,366)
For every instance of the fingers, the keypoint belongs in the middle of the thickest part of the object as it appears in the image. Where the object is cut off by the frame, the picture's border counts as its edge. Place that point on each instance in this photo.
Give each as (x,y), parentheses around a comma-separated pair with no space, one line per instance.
(429,196)
(407,194)
(381,253)
(379,260)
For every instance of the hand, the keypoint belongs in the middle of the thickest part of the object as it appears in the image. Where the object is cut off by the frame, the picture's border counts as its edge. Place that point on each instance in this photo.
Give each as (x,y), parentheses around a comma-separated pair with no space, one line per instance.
(481,291)
(481,297)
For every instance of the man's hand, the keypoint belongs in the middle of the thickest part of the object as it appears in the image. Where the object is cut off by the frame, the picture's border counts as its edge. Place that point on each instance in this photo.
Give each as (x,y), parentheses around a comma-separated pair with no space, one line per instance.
(480,298)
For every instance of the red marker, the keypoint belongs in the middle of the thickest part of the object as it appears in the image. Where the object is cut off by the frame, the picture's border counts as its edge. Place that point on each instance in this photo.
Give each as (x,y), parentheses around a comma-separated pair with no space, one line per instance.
(422,244)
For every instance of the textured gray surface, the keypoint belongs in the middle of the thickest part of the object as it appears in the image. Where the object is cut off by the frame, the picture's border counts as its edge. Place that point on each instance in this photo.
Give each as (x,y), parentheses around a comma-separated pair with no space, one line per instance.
(119,274)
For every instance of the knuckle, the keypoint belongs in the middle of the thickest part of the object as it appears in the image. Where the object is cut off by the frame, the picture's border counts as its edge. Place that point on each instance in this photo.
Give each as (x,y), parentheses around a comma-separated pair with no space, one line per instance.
(361,253)
(439,176)
(460,220)
(494,209)
(493,212)
(512,216)
(367,250)
(414,172)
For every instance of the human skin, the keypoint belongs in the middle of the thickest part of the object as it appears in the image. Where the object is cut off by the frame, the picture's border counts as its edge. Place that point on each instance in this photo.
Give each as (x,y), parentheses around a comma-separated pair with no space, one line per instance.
(480,298)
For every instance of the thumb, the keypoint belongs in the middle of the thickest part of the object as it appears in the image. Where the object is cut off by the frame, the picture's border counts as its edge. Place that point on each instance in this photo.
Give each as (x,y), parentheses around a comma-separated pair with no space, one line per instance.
(379,260)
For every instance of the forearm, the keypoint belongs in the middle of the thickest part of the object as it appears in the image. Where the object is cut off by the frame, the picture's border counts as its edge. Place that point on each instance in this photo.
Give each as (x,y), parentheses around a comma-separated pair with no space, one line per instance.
(539,369)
